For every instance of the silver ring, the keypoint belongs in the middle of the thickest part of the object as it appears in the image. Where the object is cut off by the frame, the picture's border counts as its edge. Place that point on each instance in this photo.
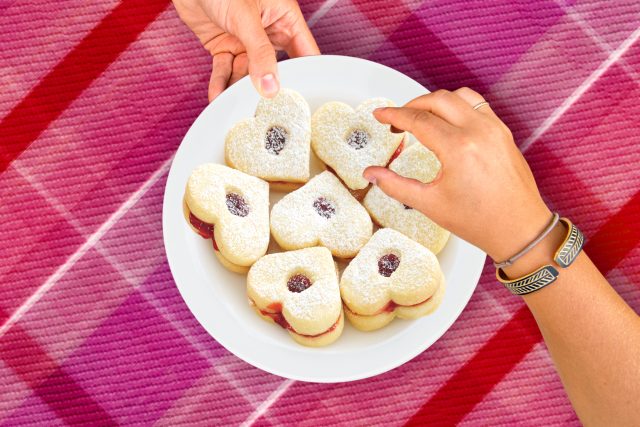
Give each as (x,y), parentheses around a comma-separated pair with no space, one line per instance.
(480,105)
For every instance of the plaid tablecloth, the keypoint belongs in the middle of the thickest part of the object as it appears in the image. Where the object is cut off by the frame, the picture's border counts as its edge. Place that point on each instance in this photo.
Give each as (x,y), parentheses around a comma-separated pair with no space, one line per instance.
(95,98)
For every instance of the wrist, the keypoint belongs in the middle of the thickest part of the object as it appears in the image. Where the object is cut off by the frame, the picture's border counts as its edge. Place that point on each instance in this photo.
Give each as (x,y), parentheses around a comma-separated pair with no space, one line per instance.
(539,255)
(517,231)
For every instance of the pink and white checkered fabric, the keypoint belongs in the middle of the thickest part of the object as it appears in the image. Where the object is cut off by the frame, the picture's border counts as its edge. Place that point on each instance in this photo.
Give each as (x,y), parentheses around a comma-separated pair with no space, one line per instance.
(95,99)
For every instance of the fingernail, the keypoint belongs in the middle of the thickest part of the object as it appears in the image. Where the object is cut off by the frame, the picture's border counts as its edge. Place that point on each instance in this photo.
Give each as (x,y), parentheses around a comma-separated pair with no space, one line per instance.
(268,85)
(379,109)
(371,179)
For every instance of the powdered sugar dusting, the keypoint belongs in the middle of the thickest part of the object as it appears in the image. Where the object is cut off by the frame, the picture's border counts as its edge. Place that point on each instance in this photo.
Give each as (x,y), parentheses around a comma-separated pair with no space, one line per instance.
(275,144)
(418,162)
(350,140)
(311,311)
(344,226)
(241,221)
(416,277)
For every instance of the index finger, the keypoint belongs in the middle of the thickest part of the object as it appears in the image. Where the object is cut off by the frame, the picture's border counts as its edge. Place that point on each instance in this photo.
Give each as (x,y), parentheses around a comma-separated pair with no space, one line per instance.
(302,43)
(444,104)
(429,129)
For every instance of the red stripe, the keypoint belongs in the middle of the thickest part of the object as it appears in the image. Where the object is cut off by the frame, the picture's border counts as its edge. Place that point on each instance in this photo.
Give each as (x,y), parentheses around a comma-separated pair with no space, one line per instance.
(73,74)
(67,398)
(511,343)
(617,237)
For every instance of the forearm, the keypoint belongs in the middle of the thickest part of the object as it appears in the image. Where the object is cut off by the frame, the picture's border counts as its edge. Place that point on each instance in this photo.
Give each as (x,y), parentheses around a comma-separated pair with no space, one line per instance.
(593,337)
(486,194)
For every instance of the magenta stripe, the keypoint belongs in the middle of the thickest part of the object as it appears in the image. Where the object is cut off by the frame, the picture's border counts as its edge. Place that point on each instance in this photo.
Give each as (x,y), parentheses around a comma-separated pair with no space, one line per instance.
(438,67)
(32,363)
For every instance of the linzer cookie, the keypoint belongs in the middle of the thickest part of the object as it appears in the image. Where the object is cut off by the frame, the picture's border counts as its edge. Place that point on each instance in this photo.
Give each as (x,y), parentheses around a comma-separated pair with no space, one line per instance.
(392,276)
(273,145)
(324,213)
(349,140)
(299,291)
(232,209)
(417,162)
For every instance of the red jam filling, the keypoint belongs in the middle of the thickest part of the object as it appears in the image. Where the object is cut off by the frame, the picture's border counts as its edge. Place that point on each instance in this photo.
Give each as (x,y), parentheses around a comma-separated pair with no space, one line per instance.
(204,228)
(237,205)
(396,153)
(275,139)
(324,207)
(298,283)
(387,264)
(391,305)
(278,318)
(358,139)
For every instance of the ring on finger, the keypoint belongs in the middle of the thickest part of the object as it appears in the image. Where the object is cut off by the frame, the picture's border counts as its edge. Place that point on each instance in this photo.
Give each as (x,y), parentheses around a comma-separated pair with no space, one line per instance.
(479,105)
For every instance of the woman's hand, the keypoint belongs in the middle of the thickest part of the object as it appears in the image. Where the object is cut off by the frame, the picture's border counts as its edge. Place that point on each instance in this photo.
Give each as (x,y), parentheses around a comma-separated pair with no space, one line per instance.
(485,192)
(243,36)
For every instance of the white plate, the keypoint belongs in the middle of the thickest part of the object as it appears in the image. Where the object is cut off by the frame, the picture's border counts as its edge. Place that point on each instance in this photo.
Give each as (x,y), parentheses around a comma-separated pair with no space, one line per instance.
(217,297)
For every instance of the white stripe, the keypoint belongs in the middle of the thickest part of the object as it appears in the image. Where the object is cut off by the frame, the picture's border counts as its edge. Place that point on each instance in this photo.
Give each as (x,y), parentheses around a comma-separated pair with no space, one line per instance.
(322,10)
(577,17)
(91,241)
(264,406)
(580,90)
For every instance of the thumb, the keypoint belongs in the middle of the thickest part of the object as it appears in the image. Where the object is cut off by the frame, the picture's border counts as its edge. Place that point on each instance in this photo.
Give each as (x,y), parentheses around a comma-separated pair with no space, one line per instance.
(263,67)
(411,192)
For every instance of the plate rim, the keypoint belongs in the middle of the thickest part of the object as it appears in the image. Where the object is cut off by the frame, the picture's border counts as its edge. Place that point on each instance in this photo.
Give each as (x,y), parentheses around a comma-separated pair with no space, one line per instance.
(251,358)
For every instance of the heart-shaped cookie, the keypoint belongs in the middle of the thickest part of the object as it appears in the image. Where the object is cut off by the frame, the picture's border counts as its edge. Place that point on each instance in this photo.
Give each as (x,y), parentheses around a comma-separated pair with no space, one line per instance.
(232,208)
(299,291)
(324,213)
(417,162)
(392,276)
(351,140)
(273,145)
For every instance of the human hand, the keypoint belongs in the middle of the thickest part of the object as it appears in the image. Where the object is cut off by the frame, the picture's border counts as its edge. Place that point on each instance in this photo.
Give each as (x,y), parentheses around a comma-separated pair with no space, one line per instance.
(485,191)
(242,37)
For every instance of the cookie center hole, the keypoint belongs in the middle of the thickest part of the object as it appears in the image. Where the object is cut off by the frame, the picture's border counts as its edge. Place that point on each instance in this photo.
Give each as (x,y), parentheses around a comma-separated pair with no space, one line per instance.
(358,139)
(324,208)
(237,205)
(298,283)
(275,139)
(387,264)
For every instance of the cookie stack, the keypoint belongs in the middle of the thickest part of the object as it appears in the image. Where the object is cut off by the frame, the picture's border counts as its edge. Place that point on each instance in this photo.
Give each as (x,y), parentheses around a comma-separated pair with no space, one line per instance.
(390,273)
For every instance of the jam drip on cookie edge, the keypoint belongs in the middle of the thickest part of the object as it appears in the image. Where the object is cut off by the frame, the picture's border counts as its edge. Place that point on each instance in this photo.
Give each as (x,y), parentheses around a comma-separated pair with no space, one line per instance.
(396,153)
(205,230)
(389,307)
(278,318)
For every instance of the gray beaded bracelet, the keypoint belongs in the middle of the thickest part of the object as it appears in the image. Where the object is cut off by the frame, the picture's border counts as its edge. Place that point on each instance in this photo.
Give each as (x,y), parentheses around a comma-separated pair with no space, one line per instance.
(554,220)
